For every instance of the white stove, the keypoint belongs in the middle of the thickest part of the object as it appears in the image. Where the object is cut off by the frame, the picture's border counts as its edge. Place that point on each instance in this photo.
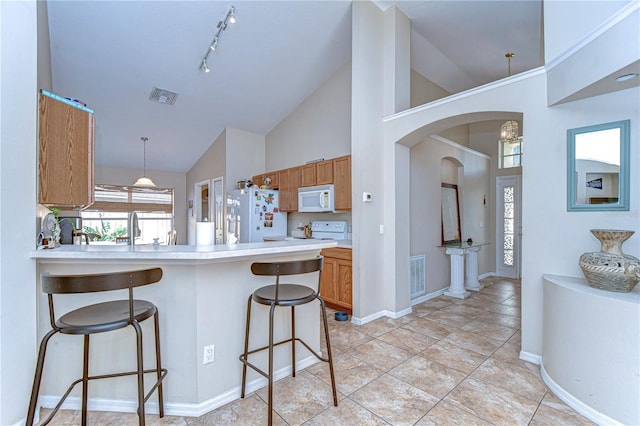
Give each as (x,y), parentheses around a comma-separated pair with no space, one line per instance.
(329,230)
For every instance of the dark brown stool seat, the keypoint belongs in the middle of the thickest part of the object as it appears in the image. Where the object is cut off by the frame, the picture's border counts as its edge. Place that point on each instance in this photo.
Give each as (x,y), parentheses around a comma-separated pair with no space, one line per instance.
(287,295)
(100,318)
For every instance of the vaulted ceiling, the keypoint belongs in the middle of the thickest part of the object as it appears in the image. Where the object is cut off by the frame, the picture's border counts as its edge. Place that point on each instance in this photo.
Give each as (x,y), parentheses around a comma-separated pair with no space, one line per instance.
(112,54)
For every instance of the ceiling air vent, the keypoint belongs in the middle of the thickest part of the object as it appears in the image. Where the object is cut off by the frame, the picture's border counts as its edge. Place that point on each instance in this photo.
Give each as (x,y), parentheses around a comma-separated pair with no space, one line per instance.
(163,96)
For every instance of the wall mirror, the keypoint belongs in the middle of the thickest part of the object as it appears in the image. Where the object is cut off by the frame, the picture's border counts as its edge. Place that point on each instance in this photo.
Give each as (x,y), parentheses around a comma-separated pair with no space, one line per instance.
(598,167)
(450,214)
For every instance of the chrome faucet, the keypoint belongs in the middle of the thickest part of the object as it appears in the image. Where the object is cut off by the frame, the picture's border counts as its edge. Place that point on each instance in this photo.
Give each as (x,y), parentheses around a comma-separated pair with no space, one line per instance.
(133,228)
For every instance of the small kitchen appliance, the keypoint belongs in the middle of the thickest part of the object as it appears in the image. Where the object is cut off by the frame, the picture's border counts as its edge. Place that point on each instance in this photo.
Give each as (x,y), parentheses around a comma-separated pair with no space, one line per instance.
(329,230)
(315,199)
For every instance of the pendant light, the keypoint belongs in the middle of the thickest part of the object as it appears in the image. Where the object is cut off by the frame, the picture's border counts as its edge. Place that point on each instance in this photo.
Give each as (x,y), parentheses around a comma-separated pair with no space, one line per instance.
(144,181)
(509,129)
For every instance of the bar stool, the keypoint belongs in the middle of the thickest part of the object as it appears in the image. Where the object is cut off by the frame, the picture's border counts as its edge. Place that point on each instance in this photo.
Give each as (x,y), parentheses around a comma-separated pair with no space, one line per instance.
(288,295)
(100,318)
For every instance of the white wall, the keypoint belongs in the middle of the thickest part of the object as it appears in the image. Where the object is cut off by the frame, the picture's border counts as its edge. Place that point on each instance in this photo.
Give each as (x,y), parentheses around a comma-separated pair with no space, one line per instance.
(424,90)
(18,117)
(428,170)
(320,127)
(177,181)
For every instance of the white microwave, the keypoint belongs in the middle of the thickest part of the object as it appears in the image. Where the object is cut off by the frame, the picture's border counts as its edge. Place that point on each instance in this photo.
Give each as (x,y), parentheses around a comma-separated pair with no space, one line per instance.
(313,199)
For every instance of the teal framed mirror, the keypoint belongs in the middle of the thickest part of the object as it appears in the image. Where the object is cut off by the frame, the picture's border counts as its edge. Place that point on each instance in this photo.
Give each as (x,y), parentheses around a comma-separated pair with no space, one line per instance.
(598,167)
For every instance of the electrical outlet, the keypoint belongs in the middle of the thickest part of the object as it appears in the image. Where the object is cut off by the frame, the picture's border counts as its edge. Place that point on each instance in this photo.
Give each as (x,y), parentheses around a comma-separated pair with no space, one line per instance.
(209,354)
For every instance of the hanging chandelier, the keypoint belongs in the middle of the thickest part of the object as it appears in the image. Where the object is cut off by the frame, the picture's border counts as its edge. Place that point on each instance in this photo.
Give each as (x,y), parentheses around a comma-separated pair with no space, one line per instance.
(509,129)
(144,181)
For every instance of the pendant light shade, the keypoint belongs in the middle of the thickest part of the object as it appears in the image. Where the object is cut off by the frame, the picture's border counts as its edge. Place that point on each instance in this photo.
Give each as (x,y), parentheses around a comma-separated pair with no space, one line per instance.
(144,181)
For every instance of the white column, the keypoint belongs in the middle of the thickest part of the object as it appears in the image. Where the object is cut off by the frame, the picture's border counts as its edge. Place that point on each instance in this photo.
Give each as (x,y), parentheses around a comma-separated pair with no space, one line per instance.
(456,287)
(471,269)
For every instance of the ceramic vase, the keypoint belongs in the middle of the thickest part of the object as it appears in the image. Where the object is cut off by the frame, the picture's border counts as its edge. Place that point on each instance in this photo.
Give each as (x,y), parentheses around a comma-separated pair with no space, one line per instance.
(610,269)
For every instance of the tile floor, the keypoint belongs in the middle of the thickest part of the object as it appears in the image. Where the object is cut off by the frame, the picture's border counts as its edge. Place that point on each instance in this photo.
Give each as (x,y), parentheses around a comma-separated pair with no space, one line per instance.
(450,362)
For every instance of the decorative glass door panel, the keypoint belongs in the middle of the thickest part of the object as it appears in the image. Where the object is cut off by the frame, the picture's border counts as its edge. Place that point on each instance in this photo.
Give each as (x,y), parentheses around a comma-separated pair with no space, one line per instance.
(508,226)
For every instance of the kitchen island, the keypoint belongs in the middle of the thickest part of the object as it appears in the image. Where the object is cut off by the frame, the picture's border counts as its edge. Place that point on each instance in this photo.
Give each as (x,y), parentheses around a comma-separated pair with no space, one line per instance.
(201,300)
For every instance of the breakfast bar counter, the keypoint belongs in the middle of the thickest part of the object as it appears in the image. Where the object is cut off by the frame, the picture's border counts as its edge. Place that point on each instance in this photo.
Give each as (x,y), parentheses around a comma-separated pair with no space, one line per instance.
(201,298)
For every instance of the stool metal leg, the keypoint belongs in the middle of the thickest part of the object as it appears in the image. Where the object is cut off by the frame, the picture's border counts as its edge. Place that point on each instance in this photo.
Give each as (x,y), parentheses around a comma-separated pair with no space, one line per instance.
(140,372)
(33,402)
(326,335)
(85,379)
(293,340)
(246,348)
(156,323)
(270,392)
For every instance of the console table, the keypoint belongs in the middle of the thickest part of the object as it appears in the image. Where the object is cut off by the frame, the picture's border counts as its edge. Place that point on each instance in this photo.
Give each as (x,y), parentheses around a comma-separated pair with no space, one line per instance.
(464,268)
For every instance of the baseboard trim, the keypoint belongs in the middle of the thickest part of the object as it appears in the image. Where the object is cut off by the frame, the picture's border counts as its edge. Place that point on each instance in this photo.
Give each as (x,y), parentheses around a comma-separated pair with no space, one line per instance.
(575,403)
(380,314)
(486,275)
(173,408)
(530,357)
(429,296)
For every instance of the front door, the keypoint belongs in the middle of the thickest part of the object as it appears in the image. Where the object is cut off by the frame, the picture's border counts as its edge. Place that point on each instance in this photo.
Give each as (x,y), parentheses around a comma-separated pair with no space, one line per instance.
(508,226)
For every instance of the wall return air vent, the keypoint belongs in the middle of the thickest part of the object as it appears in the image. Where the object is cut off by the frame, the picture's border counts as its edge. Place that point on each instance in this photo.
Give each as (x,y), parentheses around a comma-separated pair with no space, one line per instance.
(163,96)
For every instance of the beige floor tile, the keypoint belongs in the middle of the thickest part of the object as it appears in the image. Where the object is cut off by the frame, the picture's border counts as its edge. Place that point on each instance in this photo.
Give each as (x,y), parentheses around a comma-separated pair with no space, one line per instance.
(408,340)
(454,356)
(347,413)
(428,375)
(380,355)
(248,411)
(423,309)
(446,414)
(431,328)
(344,339)
(394,400)
(483,304)
(464,310)
(509,352)
(515,378)
(62,417)
(298,399)
(500,319)
(351,373)
(379,326)
(512,301)
(475,342)
(491,403)
(450,319)
(514,311)
(494,331)
(438,302)
(559,410)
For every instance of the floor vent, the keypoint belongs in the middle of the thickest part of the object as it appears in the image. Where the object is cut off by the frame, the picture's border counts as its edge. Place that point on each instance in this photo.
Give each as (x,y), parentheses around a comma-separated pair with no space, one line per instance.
(417,275)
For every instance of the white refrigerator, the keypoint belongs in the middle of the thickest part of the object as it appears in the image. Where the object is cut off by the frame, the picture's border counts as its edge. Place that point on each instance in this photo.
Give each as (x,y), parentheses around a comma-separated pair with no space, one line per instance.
(253,214)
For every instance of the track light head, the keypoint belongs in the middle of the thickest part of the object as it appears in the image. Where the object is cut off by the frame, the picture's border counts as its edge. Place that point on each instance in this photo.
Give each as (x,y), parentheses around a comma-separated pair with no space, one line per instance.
(232,15)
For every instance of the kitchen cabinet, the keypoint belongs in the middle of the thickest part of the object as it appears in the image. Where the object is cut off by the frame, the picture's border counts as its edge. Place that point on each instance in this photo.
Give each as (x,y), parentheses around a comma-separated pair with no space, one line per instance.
(308,175)
(342,182)
(336,287)
(66,153)
(289,180)
(324,172)
(259,179)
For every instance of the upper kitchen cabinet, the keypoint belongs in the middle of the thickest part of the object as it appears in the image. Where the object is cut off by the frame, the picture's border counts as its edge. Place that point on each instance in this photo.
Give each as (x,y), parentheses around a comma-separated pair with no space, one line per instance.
(289,180)
(320,173)
(66,153)
(342,182)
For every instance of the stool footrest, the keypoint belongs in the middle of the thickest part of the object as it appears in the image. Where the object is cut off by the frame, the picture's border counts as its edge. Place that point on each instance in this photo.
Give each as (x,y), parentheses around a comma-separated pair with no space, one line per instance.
(246,361)
(164,372)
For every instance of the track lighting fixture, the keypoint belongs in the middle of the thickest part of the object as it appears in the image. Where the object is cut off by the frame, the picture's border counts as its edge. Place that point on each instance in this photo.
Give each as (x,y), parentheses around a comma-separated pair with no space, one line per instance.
(230,18)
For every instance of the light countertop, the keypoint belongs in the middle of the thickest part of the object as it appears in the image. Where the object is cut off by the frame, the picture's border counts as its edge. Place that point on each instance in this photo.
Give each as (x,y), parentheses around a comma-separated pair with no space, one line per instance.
(216,253)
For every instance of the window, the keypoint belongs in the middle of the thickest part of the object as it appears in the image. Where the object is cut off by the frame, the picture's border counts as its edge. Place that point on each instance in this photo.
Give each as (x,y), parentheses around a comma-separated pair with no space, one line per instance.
(510,153)
(108,217)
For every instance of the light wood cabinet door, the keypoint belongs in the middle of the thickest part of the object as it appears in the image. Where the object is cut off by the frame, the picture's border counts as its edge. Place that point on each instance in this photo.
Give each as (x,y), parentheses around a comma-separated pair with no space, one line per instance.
(342,182)
(257,180)
(308,175)
(294,184)
(275,179)
(337,281)
(66,154)
(324,172)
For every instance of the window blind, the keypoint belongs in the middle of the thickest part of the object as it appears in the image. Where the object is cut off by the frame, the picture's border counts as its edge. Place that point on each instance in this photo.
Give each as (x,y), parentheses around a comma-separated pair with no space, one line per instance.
(115,198)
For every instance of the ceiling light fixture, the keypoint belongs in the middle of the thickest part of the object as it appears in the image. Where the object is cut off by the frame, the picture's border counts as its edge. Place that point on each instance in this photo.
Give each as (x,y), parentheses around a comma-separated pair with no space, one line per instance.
(626,77)
(509,129)
(144,181)
(230,18)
